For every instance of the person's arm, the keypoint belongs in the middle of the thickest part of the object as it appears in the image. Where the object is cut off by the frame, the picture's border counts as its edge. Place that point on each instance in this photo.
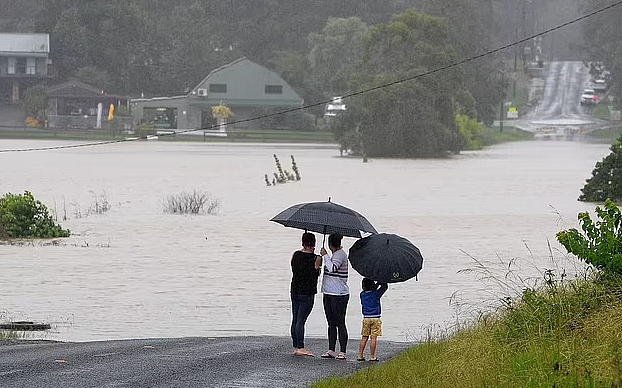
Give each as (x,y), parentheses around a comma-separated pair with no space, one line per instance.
(383,288)
(318,262)
(332,264)
(327,260)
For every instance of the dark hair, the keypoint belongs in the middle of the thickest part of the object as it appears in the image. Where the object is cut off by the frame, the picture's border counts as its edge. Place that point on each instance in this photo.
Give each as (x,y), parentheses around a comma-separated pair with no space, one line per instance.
(334,240)
(368,284)
(308,239)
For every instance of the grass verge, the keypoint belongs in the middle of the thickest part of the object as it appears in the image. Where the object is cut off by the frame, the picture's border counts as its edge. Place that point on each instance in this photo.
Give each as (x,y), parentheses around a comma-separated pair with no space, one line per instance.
(608,133)
(560,336)
(601,111)
(493,135)
(242,136)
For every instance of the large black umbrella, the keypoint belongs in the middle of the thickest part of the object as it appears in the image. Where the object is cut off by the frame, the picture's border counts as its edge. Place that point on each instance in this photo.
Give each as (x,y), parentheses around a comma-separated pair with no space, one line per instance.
(386,258)
(325,218)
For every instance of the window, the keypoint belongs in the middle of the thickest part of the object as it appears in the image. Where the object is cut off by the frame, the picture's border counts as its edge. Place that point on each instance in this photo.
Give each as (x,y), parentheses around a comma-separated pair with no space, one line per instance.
(218,88)
(274,89)
(11,67)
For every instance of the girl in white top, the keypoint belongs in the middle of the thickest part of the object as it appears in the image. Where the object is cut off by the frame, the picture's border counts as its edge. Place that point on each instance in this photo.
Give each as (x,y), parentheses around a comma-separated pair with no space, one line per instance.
(336,295)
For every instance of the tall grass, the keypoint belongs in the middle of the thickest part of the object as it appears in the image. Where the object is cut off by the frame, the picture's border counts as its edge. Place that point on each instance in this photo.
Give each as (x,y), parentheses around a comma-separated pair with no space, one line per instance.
(560,333)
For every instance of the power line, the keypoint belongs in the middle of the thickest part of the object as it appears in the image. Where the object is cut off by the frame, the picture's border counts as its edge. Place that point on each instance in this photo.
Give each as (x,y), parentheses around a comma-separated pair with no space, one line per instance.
(386,85)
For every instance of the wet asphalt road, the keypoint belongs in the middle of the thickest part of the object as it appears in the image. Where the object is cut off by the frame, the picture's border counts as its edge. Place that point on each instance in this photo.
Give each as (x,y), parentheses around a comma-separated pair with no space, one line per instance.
(184,362)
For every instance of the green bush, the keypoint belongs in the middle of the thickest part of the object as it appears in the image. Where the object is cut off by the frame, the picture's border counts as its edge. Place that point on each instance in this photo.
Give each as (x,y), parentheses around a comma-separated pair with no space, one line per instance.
(606,180)
(21,216)
(600,243)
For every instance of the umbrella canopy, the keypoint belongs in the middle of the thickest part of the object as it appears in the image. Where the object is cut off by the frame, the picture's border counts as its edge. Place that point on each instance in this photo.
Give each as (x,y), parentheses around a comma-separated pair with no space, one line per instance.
(325,218)
(386,258)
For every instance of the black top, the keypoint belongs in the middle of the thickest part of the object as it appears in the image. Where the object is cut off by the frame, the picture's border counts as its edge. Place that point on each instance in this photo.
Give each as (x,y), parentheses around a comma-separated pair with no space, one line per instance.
(304,274)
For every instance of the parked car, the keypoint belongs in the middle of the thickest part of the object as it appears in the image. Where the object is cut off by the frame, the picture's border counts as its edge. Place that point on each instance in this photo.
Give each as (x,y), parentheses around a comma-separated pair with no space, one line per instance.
(589,97)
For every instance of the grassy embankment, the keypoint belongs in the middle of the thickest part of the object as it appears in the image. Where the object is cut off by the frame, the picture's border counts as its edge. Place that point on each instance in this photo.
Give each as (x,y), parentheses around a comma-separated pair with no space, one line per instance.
(247,136)
(493,135)
(560,336)
(601,111)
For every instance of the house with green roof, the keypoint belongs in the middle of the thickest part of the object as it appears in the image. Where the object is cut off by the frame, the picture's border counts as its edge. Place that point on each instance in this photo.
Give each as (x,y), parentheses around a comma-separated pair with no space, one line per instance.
(244,86)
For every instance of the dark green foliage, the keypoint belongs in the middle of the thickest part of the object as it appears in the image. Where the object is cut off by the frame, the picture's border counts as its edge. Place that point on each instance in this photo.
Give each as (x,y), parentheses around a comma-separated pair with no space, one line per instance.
(606,180)
(36,102)
(600,242)
(21,216)
(603,42)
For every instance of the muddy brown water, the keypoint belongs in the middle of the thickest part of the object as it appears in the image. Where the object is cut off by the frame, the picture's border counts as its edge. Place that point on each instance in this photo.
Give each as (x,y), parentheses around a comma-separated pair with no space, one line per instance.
(136,272)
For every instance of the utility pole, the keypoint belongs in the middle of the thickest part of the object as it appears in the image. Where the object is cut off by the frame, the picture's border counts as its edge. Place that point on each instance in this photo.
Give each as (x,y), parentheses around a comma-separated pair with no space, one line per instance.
(501,112)
(502,103)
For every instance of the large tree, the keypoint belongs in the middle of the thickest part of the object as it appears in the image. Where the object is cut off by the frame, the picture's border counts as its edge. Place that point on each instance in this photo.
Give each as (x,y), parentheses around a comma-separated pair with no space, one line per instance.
(336,52)
(408,119)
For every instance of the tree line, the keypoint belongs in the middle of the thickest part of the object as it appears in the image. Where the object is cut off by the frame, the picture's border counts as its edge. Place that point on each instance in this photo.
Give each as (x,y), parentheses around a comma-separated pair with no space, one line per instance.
(157,47)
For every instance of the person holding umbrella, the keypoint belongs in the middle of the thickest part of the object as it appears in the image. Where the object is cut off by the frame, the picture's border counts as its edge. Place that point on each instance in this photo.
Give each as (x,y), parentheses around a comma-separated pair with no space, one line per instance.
(372,325)
(336,295)
(305,273)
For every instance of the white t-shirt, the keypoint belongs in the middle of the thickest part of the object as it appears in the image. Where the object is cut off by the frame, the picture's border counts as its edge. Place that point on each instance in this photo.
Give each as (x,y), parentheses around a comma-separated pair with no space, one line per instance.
(335,279)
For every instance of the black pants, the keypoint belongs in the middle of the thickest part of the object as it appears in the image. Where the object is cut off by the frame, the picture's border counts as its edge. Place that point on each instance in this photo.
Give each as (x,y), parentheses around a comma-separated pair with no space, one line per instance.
(301,308)
(335,309)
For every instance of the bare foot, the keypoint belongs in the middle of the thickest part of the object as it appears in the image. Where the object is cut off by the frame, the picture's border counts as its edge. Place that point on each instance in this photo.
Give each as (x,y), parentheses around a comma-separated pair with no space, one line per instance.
(303,352)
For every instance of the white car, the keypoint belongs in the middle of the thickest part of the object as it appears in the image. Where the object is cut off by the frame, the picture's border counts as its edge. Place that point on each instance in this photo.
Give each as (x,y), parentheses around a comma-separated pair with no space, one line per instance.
(589,97)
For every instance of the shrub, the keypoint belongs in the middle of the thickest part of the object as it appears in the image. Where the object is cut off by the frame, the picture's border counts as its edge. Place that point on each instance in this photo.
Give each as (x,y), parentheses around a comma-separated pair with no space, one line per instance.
(606,180)
(21,216)
(33,123)
(191,203)
(600,243)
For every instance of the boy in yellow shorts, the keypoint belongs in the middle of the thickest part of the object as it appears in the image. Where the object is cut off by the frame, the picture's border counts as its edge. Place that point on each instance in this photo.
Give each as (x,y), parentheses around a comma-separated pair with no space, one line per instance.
(372,325)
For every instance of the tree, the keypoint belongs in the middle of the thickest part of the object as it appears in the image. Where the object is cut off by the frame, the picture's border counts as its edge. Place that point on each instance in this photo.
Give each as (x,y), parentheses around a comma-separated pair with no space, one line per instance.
(36,102)
(408,119)
(94,76)
(606,180)
(603,42)
(70,42)
(21,216)
(336,52)
(222,113)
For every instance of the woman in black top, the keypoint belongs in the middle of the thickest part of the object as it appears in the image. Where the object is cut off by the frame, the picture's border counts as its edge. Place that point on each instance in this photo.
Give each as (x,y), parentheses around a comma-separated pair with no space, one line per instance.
(305,272)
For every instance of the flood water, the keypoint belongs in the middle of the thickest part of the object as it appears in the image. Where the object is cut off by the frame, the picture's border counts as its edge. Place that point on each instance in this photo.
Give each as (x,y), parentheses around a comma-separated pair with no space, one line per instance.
(136,272)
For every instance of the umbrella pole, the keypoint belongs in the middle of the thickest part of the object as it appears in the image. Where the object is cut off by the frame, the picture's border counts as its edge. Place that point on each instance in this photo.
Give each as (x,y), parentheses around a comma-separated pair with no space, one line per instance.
(324,240)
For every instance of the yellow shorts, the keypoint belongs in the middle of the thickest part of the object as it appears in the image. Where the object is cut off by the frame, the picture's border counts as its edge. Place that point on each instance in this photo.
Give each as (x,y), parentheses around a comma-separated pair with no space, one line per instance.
(372,327)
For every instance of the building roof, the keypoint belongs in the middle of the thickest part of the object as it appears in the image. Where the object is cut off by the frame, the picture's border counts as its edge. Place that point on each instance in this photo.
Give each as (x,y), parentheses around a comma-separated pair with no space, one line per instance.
(245,83)
(216,70)
(79,90)
(24,44)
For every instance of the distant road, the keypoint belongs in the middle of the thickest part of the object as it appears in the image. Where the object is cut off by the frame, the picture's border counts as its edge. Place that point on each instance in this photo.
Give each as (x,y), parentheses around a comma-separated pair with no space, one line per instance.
(560,105)
(248,362)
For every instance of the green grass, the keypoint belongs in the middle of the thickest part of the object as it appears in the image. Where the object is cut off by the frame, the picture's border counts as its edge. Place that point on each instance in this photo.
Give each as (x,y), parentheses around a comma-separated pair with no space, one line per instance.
(493,135)
(11,334)
(601,111)
(246,136)
(608,134)
(559,336)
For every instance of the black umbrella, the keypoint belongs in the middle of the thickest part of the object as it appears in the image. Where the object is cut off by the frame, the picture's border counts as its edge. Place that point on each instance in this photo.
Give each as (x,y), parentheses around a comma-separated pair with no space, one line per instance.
(325,218)
(386,258)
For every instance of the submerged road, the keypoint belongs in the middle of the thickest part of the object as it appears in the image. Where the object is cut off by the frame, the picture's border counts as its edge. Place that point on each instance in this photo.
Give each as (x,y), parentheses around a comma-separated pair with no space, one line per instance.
(169,363)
